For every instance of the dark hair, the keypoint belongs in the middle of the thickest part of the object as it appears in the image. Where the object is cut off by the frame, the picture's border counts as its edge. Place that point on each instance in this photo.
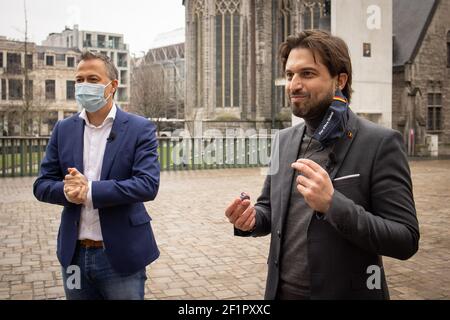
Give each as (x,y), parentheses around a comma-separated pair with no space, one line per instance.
(332,50)
(111,69)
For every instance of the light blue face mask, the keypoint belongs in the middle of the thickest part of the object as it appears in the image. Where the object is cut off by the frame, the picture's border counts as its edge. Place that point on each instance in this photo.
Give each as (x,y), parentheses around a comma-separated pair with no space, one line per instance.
(91,96)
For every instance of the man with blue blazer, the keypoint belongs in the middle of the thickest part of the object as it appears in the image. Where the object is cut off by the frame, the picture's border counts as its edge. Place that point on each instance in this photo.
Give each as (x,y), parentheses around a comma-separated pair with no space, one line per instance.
(101,165)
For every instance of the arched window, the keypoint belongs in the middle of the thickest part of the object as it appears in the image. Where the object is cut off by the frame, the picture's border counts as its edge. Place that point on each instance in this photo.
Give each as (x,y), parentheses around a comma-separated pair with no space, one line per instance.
(316,14)
(199,10)
(227,52)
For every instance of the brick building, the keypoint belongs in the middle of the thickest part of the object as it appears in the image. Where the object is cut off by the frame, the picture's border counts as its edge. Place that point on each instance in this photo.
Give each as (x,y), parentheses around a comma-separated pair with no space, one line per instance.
(32,106)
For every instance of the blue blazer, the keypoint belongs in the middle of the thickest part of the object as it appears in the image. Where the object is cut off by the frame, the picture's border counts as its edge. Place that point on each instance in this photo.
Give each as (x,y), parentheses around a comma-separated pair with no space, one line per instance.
(129,177)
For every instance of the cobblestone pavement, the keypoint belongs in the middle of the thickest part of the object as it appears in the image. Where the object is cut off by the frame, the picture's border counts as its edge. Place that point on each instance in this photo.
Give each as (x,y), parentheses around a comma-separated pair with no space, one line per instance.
(200,258)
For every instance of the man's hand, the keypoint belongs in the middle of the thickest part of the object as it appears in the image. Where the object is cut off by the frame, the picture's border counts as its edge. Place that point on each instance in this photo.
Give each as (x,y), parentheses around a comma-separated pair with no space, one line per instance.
(241,214)
(76,186)
(314,184)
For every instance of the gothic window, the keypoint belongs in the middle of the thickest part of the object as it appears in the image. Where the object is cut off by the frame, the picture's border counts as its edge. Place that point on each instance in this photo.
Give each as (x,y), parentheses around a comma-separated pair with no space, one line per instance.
(285,29)
(199,11)
(316,14)
(285,19)
(434,117)
(227,52)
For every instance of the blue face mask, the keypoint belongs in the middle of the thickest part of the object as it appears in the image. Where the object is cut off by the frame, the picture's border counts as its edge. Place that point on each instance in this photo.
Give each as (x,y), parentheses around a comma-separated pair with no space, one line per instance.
(91,96)
(334,123)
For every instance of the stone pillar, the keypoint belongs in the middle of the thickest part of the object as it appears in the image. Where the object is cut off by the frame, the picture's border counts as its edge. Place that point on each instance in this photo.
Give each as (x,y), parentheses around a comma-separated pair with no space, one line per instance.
(264,59)
(209,60)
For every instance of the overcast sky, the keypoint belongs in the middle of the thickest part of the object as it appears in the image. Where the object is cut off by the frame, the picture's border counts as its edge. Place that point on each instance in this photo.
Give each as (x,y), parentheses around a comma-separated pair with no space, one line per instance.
(140,21)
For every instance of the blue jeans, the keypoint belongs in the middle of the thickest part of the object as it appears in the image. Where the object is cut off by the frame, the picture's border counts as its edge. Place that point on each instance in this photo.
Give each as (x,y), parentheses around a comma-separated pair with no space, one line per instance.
(98,281)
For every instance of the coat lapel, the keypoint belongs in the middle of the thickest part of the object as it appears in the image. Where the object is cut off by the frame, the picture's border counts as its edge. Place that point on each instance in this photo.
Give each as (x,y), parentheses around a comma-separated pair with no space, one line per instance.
(288,156)
(78,143)
(119,128)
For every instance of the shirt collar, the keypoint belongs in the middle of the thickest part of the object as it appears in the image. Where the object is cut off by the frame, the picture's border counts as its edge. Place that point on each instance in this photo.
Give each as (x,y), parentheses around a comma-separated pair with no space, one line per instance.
(109,118)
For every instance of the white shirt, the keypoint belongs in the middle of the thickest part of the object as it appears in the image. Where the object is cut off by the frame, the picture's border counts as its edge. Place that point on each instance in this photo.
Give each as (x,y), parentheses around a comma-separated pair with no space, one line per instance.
(95,139)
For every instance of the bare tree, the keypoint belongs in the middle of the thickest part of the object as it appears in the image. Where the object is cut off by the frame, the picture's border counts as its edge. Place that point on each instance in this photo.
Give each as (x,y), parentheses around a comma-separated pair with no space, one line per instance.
(38,110)
(33,104)
(148,92)
(25,115)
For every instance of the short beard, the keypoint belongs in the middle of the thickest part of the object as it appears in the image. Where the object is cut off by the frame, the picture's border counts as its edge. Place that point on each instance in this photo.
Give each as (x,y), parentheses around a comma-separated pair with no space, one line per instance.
(315,111)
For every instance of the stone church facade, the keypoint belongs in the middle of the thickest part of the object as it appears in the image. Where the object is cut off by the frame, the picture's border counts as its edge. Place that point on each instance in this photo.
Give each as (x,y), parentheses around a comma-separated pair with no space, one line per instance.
(233,75)
(421,75)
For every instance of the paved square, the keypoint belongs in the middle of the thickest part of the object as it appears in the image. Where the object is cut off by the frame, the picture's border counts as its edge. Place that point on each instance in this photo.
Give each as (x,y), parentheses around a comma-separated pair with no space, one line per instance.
(200,258)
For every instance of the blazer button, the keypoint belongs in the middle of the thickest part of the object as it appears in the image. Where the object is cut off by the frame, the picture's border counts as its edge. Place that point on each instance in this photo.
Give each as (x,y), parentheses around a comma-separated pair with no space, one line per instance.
(276,263)
(76,223)
(279,233)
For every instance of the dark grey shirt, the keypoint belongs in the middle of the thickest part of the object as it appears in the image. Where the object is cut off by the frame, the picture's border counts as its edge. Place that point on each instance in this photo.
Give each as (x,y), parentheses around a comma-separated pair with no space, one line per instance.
(294,272)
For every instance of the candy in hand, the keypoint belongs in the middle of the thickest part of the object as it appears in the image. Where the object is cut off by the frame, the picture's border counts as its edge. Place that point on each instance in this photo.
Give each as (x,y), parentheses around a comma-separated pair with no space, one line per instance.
(244,196)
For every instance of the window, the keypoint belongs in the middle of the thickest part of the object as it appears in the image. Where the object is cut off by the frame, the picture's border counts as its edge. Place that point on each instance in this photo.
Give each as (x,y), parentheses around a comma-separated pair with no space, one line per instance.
(101,41)
(123,77)
(114,42)
(50,60)
(227,52)
(434,120)
(122,94)
(3,89)
(122,60)
(60,57)
(316,15)
(15,89)
(41,56)
(50,89)
(29,61)
(1,59)
(367,50)
(29,89)
(70,90)
(14,63)
(88,42)
(199,12)
(285,19)
(71,62)
(285,29)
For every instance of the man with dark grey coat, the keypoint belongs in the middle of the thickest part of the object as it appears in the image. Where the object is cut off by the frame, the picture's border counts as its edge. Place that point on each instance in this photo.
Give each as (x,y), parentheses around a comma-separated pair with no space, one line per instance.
(339,194)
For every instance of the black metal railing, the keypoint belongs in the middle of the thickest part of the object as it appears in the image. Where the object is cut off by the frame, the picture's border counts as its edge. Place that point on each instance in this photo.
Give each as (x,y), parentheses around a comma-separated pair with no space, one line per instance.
(21,156)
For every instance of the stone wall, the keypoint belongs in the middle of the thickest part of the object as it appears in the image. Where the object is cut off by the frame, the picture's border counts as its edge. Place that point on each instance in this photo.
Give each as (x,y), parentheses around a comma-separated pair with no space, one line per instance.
(429,73)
